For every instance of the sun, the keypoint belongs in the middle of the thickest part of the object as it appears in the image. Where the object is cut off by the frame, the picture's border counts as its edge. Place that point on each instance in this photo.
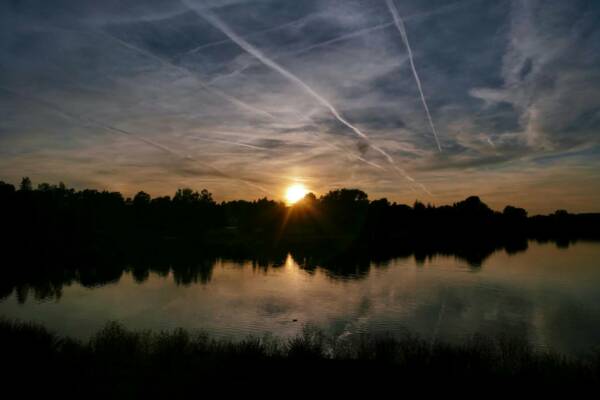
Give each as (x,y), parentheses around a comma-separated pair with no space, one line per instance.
(295,192)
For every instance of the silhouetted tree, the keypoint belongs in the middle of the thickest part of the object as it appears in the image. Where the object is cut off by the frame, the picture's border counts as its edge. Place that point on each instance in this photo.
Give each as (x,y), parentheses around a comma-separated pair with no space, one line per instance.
(6,190)
(561,213)
(473,207)
(25,184)
(142,199)
(309,199)
(515,213)
(419,207)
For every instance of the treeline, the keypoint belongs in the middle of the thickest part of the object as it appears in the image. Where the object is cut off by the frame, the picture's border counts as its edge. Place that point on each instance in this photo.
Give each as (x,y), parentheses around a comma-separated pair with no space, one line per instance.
(55,214)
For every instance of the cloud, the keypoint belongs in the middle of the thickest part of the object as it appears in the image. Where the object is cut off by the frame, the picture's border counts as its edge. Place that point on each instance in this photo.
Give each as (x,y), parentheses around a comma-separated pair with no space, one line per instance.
(512,85)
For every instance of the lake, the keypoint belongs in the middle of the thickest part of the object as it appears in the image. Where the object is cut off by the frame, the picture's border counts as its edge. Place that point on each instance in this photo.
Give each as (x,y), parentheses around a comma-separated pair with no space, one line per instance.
(548,293)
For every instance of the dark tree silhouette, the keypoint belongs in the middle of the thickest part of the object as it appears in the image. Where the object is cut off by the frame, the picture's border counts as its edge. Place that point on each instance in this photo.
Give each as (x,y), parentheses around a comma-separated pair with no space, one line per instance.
(515,213)
(25,184)
(53,234)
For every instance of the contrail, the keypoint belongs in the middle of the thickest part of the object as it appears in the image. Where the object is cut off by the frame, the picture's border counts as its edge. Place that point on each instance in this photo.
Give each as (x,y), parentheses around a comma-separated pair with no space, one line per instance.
(352,155)
(395,168)
(88,120)
(183,70)
(246,46)
(204,85)
(231,74)
(217,23)
(360,32)
(402,29)
(249,146)
(188,73)
(374,28)
(272,64)
(401,172)
(425,189)
(261,32)
(306,49)
(256,53)
(249,48)
(372,164)
(327,143)
(341,38)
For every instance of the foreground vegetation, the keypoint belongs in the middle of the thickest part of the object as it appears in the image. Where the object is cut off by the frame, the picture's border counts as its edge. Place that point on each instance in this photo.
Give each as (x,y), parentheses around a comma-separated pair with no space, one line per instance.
(119,360)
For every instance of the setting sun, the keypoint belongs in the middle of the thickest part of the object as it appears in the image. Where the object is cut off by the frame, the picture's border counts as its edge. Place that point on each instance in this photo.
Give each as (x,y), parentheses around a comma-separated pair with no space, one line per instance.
(295,192)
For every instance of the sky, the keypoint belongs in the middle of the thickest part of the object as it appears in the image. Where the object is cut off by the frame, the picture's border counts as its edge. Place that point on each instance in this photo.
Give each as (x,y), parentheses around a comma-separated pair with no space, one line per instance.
(404,99)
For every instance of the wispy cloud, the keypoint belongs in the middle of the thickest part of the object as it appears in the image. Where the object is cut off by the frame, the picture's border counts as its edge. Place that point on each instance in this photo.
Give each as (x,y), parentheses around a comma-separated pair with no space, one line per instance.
(148,94)
(214,20)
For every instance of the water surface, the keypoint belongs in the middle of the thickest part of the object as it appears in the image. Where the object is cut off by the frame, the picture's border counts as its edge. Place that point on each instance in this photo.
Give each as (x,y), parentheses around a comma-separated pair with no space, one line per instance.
(547,293)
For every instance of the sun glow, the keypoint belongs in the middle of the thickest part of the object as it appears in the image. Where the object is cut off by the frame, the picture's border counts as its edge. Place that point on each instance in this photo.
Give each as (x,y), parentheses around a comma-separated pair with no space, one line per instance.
(295,193)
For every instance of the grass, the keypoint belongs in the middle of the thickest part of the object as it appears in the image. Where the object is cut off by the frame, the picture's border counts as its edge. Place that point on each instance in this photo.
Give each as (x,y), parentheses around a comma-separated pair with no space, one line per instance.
(124,362)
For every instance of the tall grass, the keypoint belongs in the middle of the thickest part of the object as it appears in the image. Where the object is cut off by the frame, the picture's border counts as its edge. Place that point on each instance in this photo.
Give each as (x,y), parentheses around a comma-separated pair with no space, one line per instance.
(129,361)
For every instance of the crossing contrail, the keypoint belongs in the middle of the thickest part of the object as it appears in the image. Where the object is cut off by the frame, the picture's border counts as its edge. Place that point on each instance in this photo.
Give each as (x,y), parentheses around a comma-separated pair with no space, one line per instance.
(188,73)
(232,143)
(272,64)
(402,29)
(87,120)
(204,85)
(249,48)
(217,23)
(265,60)
(170,64)
(360,32)
(261,32)
(306,49)
(441,10)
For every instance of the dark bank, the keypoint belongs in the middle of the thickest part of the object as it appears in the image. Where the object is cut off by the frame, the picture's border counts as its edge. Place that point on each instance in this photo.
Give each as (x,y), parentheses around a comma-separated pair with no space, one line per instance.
(118,361)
